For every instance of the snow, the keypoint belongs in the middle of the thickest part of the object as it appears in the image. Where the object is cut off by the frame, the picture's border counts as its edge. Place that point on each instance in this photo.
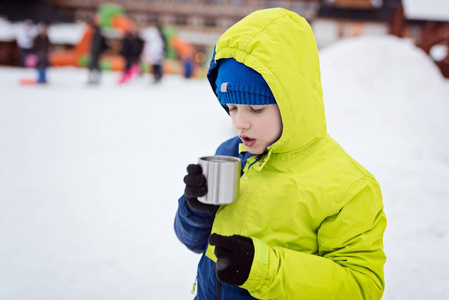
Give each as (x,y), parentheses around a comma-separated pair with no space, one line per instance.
(67,33)
(90,176)
(436,10)
(62,33)
(7,30)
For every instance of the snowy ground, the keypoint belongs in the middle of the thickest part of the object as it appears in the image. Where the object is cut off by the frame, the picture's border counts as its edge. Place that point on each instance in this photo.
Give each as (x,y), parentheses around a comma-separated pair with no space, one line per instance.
(90,176)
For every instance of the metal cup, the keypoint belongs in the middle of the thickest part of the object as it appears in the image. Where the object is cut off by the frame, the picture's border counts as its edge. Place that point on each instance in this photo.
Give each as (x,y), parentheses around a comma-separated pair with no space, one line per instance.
(223,179)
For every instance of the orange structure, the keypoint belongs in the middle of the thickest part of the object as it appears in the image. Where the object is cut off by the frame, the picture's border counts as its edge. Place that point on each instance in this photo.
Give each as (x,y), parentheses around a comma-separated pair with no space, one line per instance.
(79,56)
(112,16)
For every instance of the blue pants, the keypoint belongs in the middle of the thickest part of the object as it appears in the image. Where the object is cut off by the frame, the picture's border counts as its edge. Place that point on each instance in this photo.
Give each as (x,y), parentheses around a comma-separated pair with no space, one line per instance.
(42,73)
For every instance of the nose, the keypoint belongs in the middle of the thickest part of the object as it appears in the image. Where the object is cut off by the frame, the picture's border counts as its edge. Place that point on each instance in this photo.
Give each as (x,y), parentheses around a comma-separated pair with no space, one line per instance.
(240,120)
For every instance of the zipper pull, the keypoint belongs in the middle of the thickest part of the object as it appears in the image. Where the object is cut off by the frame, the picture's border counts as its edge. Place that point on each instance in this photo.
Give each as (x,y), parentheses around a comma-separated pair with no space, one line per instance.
(194,287)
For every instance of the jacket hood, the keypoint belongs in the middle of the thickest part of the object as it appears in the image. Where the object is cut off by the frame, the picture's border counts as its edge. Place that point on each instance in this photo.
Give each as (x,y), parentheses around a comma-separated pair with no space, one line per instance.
(279,44)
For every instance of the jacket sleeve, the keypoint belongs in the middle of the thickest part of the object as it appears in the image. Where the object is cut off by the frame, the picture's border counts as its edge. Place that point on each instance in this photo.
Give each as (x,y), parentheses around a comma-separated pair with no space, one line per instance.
(348,265)
(192,228)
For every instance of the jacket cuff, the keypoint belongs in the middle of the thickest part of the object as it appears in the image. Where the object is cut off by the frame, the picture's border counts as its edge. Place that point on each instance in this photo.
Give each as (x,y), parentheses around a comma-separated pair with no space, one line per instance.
(190,211)
(258,275)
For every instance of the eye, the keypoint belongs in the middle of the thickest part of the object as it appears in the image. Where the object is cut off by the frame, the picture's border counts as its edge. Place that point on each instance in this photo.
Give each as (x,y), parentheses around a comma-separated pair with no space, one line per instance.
(257,110)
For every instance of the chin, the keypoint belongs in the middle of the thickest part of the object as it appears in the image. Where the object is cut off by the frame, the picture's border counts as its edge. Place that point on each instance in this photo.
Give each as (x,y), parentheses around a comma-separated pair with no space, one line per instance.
(255,151)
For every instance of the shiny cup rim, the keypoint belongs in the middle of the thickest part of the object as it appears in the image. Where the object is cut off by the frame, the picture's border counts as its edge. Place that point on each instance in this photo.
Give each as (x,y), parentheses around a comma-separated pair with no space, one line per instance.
(219,159)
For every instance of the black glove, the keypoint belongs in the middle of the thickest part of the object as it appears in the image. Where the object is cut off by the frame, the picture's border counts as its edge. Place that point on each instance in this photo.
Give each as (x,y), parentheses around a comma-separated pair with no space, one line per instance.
(234,257)
(196,186)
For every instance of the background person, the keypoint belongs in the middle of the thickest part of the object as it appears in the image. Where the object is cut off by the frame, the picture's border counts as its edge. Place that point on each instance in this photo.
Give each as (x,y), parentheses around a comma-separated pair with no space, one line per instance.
(132,47)
(97,47)
(154,51)
(42,49)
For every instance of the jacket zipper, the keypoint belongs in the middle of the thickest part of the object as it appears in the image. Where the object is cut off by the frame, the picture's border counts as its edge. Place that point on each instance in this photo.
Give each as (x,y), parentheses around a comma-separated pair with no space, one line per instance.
(245,176)
(218,288)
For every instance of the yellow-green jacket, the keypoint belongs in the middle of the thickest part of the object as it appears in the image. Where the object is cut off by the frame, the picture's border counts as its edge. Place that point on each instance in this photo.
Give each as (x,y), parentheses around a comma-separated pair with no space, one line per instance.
(315,215)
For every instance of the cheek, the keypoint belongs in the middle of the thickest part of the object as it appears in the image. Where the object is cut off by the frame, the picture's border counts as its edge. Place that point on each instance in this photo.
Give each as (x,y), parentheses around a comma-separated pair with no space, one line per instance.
(267,129)
(278,125)
(274,128)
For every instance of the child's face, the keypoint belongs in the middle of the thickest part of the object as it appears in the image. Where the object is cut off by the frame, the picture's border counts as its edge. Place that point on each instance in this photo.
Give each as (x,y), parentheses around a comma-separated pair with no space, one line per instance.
(258,126)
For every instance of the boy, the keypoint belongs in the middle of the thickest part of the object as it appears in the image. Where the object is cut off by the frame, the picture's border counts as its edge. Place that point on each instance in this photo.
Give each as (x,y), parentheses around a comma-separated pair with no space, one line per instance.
(309,220)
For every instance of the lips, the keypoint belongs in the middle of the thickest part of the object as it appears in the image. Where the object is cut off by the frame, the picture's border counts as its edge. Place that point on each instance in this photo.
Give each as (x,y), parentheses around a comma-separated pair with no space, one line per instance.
(247,141)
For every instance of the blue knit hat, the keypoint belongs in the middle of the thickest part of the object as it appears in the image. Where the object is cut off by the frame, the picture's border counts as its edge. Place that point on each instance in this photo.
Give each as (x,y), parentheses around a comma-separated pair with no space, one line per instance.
(239,84)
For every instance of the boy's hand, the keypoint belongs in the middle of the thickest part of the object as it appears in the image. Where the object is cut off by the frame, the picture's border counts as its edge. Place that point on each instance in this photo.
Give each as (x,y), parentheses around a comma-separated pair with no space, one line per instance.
(234,257)
(196,186)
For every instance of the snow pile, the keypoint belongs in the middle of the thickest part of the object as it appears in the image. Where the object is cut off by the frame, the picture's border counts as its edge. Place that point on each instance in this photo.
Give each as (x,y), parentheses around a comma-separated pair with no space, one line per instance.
(61,33)
(7,31)
(398,86)
(435,10)
(65,33)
